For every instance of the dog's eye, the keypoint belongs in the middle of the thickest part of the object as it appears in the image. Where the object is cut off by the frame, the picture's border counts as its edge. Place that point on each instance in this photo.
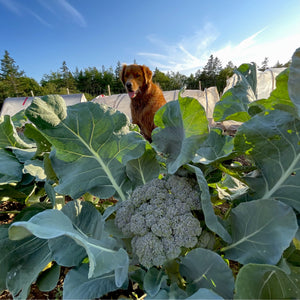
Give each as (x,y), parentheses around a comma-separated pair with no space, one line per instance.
(137,75)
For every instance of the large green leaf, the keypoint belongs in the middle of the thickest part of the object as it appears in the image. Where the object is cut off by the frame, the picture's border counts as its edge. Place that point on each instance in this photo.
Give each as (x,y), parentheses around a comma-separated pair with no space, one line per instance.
(217,147)
(261,231)
(273,141)
(77,285)
(153,280)
(19,119)
(204,294)
(249,71)
(92,145)
(294,79)
(144,168)
(9,135)
(203,268)
(52,224)
(80,213)
(10,168)
(36,169)
(211,220)
(182,127)
(23,154)
(233,105)
(21,262)
(47,112)
(48,279)
(256,281)
(42,143)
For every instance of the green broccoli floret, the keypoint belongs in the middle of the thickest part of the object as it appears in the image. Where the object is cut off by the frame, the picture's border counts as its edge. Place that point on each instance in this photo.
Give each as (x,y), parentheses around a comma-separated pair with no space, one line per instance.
(158,217)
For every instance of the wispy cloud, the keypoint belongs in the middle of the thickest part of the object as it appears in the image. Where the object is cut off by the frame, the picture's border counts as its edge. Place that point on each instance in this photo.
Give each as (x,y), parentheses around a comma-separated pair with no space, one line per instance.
(256,47)
(185,55)
(12,6)
(40,19)
(20,10)
(73,12)
(192,52)
(55,7)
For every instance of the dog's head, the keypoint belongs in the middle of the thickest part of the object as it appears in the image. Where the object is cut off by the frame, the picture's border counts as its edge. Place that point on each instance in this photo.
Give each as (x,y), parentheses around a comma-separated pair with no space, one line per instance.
(135,78)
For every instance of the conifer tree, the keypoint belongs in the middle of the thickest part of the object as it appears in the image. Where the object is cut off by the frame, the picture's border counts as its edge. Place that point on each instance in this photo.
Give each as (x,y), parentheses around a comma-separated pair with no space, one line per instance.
(9,75)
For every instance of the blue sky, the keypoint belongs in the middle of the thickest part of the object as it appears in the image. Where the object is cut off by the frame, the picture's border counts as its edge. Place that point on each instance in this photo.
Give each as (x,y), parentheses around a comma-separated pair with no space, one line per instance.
(172,35)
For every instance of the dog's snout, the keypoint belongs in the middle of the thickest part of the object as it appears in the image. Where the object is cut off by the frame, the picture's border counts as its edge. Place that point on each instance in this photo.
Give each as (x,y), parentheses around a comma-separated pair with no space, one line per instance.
(129,85)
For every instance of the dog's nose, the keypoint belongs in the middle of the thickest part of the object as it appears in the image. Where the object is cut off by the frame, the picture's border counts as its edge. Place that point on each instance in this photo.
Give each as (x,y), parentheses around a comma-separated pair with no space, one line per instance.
(128,84)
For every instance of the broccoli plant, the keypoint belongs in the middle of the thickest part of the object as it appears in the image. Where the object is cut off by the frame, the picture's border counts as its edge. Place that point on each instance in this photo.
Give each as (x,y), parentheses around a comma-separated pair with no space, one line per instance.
(158,216)
(196,214)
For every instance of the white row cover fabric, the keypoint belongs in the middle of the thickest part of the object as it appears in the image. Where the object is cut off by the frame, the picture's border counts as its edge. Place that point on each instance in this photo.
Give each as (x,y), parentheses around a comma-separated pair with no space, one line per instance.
(11,106)
(207,98)
(266,82)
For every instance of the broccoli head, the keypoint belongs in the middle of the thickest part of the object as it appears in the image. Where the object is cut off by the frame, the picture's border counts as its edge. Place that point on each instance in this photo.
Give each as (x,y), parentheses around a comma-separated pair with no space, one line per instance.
(158,217)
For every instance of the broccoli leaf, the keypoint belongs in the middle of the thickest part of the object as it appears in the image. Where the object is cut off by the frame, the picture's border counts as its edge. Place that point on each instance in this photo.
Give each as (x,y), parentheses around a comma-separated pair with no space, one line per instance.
(92,145)
(203,268)
(273,141)
(294,79)
(204,294)
(217,147)
(77,285)
(42,143)
(48,279)
(257,281)
(153,280)
(182,127)
(21,262)
(211,220)
(9,135)
(233,105)
(144,168)
(35,168)
(52,224)
(261,231)
(80,213)
(250,73)
(10,168)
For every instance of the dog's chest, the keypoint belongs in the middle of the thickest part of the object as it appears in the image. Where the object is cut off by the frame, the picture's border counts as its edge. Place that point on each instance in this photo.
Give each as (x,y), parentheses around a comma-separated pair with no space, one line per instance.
(138,105)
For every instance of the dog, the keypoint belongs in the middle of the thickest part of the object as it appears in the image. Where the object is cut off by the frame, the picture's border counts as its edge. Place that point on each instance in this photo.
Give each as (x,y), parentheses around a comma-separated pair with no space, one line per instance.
(146,97)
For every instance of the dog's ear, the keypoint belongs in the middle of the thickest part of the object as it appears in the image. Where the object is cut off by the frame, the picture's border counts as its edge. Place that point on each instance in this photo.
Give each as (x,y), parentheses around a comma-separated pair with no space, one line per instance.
(147,74)
(122,73)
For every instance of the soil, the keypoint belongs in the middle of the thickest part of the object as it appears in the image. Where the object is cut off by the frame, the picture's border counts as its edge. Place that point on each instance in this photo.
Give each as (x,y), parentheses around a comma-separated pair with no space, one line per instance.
(7,211)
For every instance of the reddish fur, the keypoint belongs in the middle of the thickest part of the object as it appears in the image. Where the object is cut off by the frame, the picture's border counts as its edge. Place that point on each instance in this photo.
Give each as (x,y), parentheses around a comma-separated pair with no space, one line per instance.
(148,97)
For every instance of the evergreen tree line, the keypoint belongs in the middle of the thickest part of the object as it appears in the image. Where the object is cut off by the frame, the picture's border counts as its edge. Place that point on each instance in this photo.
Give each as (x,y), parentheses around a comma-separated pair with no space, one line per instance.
(93,82)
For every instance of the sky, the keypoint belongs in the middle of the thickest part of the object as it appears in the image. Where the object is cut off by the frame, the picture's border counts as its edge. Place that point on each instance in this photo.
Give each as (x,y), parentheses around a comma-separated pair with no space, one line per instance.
(171,35)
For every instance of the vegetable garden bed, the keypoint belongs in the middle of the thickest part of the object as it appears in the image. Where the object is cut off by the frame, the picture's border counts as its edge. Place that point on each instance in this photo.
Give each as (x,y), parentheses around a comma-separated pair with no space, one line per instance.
(246,245)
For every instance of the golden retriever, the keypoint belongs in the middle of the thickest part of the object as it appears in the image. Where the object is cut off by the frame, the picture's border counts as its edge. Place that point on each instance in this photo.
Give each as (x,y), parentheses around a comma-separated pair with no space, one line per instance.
(146,97)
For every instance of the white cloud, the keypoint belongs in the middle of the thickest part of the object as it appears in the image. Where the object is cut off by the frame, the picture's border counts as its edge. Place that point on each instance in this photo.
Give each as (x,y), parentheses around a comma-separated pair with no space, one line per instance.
(73,12)
(192,52)
(12,6)
(41,20)
(153,55)
(20,10)
(255,50)
(186,55)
